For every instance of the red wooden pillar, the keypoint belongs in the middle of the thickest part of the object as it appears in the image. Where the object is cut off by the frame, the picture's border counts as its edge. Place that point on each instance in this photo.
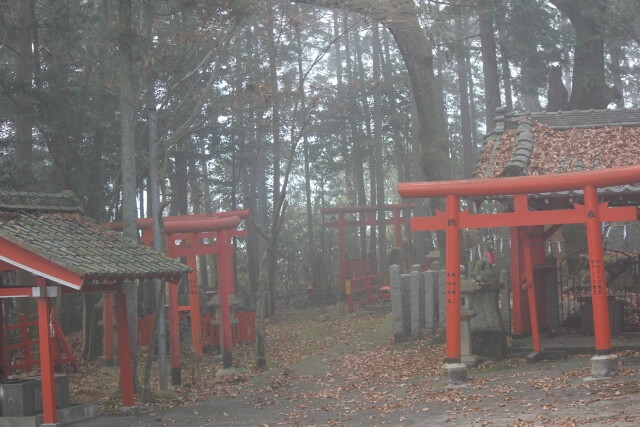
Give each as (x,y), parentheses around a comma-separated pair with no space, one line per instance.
(601,325)
(453,279)
(229,251)
(342,253)
(4,351)
(46,355)
(520,314)
(396,219)
(174,335)
(124,351)
(194,299)
(224,266)
(107,320)
(530,287)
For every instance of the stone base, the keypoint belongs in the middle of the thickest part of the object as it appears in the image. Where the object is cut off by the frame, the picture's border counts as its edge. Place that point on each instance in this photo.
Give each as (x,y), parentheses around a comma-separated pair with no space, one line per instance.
(489,344)
(129,411)
(534,357)
(454,373)
(22,396)
(226,371)
(604,366)
(471,361)
(75,413)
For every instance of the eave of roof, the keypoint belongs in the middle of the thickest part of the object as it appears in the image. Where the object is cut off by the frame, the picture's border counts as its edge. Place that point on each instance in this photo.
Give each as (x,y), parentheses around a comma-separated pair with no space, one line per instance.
(73,245)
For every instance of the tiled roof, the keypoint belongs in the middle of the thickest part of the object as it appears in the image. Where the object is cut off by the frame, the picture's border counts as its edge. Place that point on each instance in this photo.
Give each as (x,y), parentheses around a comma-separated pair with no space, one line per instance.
(565,141)
(52,226)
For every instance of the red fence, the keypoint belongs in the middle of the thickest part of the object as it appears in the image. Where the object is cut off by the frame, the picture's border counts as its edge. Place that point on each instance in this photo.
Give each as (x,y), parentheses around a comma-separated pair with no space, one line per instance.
(366,290)
(25,345)
(242,329)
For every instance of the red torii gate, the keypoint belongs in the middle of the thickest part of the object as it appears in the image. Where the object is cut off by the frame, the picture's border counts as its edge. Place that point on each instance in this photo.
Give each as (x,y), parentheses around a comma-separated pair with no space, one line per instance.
(397,220)
(185,236)
(592,213)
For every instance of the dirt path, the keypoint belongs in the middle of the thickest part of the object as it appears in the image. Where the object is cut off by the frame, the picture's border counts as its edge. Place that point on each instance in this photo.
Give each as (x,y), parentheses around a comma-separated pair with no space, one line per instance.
(358,383)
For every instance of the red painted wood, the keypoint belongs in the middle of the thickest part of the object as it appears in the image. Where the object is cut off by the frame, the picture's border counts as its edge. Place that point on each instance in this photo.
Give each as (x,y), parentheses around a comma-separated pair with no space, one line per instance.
(215,224)
(530,287)
(62,340)
(143,223)
(452,286)
(107,318)
(224,264)
(46,358)
(4,352)
(174,333)
(522,184)
(601,325)
(517,278)
(26,260)
(124,351)
(525,218)
(15,292)
(194,302)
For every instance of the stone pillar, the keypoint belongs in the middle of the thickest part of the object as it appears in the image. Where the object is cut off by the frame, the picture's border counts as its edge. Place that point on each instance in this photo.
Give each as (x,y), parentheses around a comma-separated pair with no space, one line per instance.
(431,296)
(405,290)
(505,299)
(421,287)
(396,303)
(442,306)
(551,287)
(414,303)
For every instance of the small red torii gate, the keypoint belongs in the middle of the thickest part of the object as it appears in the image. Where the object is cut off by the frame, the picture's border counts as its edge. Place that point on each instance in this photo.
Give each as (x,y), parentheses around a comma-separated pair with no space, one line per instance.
(185,236)
(396,219)
(592,214)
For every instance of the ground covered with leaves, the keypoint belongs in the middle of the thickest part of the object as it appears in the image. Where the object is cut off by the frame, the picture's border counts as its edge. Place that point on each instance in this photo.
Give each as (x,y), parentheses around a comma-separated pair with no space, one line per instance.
(337,369)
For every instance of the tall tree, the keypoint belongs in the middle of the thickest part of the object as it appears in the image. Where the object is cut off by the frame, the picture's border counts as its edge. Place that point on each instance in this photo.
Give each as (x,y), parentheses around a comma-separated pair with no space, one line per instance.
(589,89)
(401,19)
(379,148)
(128,154)
(462,63)
(486,9)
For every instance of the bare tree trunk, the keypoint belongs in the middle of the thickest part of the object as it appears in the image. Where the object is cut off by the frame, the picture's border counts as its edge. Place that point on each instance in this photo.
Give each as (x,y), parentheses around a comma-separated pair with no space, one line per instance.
(589,89)
(463,90)
(307,170)
(275,135)
(357,157)
(506,69)
(489,62)
(128,165)
(342,106)
(377,129)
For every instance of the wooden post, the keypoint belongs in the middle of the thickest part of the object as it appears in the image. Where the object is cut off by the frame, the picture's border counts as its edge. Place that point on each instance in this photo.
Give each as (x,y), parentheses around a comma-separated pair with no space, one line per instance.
(46,355)
(600,304)
(4,352)
(342,253)
(107,320)
(174,335)
(224,259)
(396,219)
(518,316)
(453,279)
(194,300)
(124,351)
(530,288)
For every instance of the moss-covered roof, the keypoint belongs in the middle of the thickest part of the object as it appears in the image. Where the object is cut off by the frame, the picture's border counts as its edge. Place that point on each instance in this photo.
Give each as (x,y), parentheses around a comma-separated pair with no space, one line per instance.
(53,227)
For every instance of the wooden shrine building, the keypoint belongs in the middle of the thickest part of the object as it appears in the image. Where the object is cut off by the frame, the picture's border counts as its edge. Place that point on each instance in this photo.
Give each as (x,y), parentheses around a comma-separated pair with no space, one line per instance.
(583,170)
(48,236)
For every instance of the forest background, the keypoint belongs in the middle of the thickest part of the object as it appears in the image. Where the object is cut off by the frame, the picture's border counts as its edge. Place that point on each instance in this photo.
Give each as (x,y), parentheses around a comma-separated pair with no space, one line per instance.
(284,108)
